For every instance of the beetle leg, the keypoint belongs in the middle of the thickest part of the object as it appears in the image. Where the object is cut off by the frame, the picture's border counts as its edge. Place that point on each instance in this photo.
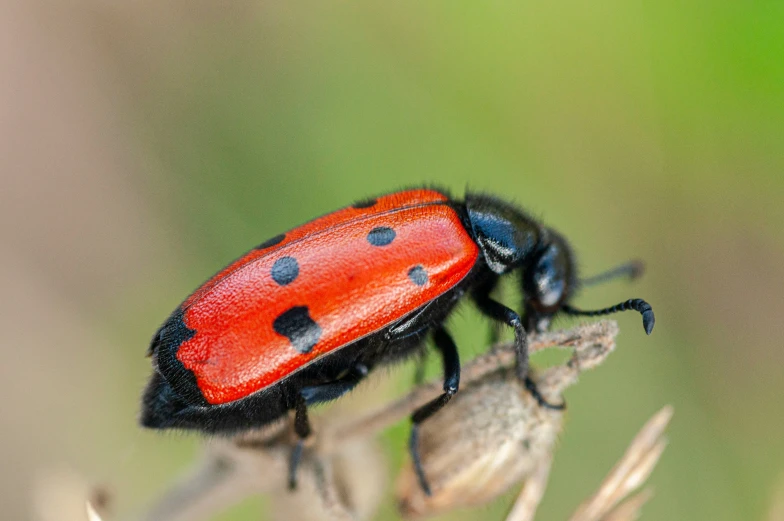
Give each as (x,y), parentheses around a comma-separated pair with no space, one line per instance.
(302,428)
(501,313)
(315,394)
(531,386)
(446,346)
(486,288)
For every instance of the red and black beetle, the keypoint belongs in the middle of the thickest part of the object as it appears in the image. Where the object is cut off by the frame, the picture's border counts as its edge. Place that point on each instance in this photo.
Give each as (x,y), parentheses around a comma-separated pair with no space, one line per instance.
(303,317)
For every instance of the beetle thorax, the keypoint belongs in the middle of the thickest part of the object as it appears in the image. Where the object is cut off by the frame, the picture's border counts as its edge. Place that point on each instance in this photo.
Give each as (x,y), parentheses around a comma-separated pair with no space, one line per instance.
(506,236)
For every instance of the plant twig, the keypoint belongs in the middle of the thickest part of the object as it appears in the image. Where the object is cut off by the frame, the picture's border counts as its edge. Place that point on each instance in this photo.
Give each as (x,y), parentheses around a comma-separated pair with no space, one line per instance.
(776,510)
(628,474)
(92,515)
(220,479)
(524,508)
(631,508)
(588,341)
(257,461)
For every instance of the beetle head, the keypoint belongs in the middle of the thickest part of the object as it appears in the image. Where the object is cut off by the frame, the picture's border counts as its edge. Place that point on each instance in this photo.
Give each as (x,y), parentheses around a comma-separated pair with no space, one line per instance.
(548,280)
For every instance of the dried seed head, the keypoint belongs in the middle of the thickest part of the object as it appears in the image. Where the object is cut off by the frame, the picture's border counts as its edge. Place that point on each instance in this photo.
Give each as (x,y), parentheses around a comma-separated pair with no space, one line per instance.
(491,436)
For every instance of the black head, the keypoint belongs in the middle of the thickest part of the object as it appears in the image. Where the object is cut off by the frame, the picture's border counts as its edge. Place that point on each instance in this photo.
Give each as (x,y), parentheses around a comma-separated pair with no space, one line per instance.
(511,240)
(548,281)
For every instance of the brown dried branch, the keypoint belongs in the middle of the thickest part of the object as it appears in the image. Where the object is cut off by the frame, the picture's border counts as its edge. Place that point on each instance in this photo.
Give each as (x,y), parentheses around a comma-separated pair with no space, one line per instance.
(92,515)
(628,474)
(221,479)
(333,488)
(591,344)
(631,508)
(776,510)
(527,502)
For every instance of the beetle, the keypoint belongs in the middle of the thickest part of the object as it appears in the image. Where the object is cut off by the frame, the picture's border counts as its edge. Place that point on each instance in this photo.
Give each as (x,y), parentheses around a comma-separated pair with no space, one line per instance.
(306,315)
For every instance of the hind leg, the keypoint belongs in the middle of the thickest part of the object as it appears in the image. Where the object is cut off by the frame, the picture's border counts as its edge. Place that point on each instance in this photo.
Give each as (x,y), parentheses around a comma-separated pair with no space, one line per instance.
(302,428)
(446,346)
(317,394)
(502,314)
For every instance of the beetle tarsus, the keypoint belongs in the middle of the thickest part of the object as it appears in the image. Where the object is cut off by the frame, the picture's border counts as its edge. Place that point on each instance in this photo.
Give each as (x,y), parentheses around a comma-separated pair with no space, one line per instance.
(633,304)
(531,386)
(303,430)
(413,448)
(503,314)
(296,458)
(446,346)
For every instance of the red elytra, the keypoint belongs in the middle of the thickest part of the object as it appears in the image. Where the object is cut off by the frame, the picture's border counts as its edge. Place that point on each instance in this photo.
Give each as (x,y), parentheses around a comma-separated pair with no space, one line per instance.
(329,267)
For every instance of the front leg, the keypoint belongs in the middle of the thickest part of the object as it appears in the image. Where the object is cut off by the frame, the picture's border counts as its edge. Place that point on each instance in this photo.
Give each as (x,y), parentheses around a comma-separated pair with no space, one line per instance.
(486,288)
(446,346)
(504,315)
(500,313)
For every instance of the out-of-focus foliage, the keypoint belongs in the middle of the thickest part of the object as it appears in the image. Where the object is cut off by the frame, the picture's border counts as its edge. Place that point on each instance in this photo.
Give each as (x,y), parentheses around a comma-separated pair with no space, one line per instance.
(163,141)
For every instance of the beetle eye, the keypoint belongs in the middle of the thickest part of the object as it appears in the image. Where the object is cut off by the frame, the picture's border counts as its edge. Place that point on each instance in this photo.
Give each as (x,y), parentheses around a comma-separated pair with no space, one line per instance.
(548,278)
(549,289)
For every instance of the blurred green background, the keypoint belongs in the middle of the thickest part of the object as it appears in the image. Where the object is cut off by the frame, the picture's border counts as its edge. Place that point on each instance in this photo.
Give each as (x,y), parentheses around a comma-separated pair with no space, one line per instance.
(145,145)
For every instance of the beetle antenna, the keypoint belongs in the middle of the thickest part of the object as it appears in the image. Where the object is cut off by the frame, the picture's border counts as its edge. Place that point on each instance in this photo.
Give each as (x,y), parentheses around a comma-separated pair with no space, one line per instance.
(632,269)
(636,304)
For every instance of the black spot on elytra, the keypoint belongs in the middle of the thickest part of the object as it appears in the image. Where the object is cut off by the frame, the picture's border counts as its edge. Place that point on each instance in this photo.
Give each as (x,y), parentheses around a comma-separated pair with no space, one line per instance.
(296,325)
(271,242)
(381,236)
(366,203)
(418,275)
(285,270)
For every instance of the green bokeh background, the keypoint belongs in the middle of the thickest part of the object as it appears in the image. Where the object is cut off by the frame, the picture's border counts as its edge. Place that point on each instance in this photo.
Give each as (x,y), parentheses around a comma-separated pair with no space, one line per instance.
(644,129)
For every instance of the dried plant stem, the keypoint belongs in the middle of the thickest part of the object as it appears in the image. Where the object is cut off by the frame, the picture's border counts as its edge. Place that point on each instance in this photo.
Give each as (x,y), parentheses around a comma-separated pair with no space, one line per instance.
(776,511)
(630,509)
(92,515)
(628,474)
(591,339)
(213,485)
(524,508)
(257,461)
